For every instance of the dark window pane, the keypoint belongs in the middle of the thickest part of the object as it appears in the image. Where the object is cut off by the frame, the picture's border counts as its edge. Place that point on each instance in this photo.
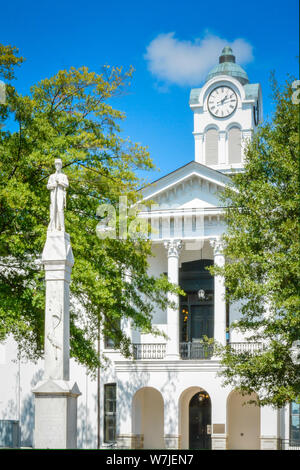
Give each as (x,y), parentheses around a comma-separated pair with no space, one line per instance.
(294,424)
(109,343)
(110,428)
(110,412)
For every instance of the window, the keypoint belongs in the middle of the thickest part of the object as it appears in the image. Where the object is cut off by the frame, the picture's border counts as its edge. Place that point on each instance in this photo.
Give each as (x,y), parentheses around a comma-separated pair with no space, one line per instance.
(110,402)
(211,147)
(109,343)
(114,327)
(234,145)
(227,320)
(294,423)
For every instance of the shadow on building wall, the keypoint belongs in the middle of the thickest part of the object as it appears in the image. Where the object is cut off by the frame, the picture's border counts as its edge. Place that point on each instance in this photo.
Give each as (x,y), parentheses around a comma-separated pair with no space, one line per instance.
(85,434)
(27,412)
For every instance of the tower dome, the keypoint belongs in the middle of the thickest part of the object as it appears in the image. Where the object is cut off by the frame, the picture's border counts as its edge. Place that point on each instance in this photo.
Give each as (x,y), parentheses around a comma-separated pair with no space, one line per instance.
(227,66)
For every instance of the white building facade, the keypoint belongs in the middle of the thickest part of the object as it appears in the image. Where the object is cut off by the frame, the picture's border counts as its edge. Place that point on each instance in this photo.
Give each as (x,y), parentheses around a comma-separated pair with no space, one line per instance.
(170,395)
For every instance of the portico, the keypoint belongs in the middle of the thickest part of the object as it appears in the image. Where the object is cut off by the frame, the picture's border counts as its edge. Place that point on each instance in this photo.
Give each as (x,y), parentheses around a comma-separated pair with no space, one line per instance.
(202,312)
(187,223)
(184,406)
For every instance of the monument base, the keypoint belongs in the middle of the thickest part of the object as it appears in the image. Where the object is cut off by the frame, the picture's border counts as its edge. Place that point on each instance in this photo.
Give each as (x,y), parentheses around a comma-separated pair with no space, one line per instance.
(56,414)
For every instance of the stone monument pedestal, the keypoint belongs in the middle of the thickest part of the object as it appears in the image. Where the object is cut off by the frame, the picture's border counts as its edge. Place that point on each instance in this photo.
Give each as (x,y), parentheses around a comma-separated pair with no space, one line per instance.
(56,414)
(56,396)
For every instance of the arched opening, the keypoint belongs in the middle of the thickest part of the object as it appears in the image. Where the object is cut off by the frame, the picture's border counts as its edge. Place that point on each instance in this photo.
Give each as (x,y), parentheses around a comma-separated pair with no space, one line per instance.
(200,421)
(243,422)
(148,417)
(211,147)
(234,145)
(195,419)
(196,309)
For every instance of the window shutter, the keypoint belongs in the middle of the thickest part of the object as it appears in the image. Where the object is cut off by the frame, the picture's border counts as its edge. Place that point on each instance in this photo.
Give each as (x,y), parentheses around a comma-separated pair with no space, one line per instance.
(211,147)
(234,145)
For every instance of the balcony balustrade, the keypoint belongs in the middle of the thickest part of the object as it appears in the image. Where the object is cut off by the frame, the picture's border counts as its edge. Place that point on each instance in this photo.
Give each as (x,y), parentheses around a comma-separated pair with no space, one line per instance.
(189,350)
(195,350)
(289,444)
(149,351)
(250,347)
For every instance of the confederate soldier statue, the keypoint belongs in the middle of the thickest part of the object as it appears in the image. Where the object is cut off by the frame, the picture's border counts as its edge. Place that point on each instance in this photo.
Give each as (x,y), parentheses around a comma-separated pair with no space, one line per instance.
(57,183)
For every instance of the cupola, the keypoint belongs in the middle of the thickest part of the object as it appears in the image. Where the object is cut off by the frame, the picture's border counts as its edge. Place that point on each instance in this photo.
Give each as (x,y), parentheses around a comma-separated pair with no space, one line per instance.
(227,66)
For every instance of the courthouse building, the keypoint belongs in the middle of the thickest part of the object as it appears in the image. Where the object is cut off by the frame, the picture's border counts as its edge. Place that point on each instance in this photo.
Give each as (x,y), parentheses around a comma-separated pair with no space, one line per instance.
(170,395)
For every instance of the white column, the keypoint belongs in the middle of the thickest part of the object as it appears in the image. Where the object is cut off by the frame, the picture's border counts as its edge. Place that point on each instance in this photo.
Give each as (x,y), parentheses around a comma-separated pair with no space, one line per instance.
(269,428)
(219,295)
(246,138)
(218,419)
(173,249)
(171,425)
(126,415)
(126,322)
(199,147)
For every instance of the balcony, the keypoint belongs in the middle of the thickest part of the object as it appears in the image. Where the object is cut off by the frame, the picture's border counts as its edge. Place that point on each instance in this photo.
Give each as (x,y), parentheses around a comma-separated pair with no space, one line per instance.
(195,350)
(189,350)
(149,351)
(246,347)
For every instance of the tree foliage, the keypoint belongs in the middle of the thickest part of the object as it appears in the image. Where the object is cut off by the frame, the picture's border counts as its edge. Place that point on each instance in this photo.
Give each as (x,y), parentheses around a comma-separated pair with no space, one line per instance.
(8,60)
(70,116)
(262,251)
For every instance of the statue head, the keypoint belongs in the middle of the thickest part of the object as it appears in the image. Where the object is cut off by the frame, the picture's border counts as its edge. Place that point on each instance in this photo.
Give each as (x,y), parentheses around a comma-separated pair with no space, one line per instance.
(58,164)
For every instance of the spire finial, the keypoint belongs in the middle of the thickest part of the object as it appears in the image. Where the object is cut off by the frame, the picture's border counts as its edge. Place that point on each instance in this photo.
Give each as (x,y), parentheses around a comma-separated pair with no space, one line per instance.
(227,55)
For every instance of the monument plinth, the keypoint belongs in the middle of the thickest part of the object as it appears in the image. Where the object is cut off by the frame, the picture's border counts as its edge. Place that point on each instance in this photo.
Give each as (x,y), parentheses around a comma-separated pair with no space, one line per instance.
(56,396)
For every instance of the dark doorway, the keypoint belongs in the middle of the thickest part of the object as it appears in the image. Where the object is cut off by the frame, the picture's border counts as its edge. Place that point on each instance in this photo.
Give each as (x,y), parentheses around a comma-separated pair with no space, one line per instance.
(200,421)
(196,308)
(197,321)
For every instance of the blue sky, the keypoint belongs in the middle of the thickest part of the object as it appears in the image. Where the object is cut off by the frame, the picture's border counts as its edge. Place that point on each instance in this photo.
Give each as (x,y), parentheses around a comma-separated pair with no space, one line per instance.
(171,45)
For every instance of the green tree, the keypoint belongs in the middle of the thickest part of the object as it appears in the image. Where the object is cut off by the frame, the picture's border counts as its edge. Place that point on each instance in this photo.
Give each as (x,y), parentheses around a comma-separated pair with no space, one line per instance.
(262,251)
(70,116)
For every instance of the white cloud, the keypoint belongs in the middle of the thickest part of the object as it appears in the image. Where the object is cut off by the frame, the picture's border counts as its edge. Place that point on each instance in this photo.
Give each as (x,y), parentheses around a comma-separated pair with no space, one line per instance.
(187,63)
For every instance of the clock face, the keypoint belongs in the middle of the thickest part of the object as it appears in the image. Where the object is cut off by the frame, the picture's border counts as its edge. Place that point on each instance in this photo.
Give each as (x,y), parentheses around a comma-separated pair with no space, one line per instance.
(222,101)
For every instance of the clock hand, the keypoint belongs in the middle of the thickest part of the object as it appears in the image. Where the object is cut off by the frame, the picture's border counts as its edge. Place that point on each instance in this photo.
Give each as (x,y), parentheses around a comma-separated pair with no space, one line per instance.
(221,101)
(228,101)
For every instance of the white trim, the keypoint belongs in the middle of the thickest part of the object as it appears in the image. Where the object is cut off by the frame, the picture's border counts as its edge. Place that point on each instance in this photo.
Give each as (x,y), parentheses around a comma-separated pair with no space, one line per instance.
(182,179)
(211,365)
(220,79)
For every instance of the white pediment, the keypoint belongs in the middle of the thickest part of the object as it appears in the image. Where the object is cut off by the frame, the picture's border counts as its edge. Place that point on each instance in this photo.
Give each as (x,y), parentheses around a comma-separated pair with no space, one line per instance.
(191,186)
(197,203)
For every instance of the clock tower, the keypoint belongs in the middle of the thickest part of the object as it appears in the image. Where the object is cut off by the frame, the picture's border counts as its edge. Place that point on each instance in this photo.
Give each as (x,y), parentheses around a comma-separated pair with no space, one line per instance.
(227,110)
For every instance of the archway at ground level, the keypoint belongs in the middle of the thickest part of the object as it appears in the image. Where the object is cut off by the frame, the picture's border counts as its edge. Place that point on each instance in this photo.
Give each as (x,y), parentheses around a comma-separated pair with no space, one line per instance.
(195,419)
(148,417)
(243,422)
